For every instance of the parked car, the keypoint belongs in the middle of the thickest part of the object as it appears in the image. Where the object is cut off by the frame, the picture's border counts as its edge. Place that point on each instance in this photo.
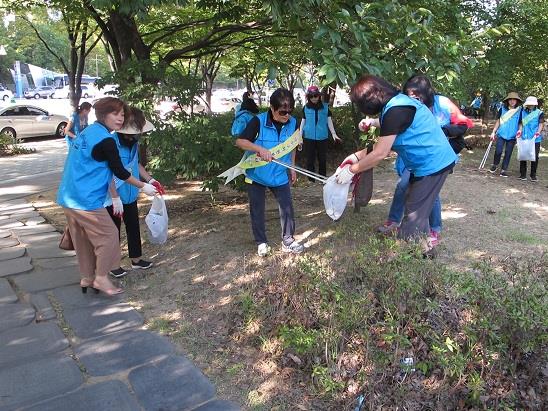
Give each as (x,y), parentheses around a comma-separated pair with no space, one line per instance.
(40,92)
(5,94)
(22,121)
(87,92)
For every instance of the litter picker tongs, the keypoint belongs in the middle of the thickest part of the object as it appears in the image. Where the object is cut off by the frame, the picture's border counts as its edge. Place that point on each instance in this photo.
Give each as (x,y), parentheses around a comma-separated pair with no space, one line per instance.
(301,170)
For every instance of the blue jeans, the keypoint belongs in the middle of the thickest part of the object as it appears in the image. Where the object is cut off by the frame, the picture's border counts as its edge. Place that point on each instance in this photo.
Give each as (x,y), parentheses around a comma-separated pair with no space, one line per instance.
(501,143)
(398,204)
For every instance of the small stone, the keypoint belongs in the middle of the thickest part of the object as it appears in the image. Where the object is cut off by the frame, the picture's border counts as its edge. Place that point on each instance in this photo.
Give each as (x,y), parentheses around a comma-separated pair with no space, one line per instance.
(15,266)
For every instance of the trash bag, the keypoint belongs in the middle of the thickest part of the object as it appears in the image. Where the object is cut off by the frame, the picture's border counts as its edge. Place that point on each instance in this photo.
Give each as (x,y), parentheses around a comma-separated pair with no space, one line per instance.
(156,221)
(526,149)
(363,190)
(335,197)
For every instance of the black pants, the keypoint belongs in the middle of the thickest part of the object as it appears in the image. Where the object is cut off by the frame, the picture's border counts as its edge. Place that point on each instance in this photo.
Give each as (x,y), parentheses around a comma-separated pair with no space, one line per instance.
(257,194)
(534,164)
(133,232)
(313,149)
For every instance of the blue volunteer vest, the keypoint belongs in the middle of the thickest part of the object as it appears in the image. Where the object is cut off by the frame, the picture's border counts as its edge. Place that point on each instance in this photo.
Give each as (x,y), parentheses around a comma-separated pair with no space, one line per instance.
(507,130)
(442,110)
(530,122)
(423,147)
(241,119)
(271,174)
(313,130)
(85,181)
(130,160)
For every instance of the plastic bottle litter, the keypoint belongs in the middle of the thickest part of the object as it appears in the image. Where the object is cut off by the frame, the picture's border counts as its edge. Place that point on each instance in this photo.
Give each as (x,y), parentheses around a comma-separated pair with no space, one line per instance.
(407,364)
(360,403)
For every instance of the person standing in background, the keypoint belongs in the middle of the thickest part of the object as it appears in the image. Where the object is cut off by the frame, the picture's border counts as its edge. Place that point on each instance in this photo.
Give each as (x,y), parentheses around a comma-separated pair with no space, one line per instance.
(531,125)
(78,122)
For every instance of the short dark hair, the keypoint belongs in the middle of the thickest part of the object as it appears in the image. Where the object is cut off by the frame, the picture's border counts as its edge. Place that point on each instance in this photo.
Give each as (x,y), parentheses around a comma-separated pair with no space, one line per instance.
(422,86)
(371,93)
(84,106)
(107,105)
(137,118)
(282,97)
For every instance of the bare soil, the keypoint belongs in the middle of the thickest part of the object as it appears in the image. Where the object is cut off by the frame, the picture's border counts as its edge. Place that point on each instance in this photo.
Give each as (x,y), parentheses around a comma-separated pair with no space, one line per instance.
(210,256)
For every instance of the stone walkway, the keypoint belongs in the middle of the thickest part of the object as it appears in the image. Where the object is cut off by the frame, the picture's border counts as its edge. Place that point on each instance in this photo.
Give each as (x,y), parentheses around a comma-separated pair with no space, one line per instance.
(64,350)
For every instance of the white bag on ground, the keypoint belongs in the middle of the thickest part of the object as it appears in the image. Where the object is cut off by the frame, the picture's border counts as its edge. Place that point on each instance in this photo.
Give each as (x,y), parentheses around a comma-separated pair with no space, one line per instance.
(156,221)
(335,197)
(526,149)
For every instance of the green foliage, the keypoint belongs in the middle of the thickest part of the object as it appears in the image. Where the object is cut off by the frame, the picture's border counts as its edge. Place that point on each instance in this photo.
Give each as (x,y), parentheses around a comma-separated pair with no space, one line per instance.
(301,340)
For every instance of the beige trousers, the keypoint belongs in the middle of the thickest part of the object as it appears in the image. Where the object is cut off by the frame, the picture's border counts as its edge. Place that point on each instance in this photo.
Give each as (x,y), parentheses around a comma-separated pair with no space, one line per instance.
(95,238)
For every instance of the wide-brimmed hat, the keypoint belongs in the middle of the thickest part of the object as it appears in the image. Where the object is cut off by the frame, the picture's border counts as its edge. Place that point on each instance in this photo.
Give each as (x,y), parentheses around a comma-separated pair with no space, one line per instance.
(132,129)
(514,95)
(312,90)
(531,101)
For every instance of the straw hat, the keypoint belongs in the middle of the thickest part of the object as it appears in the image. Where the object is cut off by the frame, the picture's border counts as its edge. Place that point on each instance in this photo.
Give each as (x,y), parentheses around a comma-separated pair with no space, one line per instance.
(531,101)
(131,129)
(514,95)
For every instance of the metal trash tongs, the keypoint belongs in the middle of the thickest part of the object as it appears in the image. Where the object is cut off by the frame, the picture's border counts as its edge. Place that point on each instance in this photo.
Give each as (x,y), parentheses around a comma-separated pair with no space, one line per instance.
(298,169)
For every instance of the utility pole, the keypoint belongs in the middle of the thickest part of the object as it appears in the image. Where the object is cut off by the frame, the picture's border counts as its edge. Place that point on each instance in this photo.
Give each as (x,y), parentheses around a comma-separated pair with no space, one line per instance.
(96,66)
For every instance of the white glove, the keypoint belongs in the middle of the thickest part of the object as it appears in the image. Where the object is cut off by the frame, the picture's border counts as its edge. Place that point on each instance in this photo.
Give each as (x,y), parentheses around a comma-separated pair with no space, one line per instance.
(345,175)
(151,181)
(117,206)
(365,124)
(351,159)
(149,189)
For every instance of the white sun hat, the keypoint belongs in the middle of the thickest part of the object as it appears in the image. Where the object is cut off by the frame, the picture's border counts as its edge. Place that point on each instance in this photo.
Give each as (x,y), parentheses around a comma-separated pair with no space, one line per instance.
(132,129)
(531,101)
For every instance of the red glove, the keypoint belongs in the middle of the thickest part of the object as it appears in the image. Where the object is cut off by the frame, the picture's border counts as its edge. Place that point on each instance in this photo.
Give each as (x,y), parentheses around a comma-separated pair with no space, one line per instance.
(518,134)
(159,187)
(536,135)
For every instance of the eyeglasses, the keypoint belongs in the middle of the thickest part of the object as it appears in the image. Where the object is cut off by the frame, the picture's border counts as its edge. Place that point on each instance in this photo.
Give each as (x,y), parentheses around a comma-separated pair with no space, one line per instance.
(284,112)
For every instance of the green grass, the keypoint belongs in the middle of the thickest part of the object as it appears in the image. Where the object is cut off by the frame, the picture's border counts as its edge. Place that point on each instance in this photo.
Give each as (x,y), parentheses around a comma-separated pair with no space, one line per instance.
(520,237)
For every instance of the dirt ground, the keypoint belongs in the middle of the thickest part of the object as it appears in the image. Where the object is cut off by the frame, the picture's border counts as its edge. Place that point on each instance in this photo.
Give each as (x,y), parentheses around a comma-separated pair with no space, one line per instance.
(210,256)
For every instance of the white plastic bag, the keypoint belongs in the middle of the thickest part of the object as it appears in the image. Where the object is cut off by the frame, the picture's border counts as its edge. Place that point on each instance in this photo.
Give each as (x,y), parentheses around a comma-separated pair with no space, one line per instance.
(526,149)
(156,221)
(335,197)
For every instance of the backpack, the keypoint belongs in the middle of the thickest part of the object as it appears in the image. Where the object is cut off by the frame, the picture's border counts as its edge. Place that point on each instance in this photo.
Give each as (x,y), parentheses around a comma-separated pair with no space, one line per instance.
(240,122)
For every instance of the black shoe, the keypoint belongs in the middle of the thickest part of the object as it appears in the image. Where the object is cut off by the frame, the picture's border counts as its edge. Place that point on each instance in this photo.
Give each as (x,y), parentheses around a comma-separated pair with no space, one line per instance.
(503,173)
(523,178)
(493,169)
(141,264)
(534,178)
(118,273)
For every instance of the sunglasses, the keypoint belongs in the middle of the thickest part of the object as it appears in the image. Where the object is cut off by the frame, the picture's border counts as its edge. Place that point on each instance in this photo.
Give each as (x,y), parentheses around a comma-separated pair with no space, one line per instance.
(284,112)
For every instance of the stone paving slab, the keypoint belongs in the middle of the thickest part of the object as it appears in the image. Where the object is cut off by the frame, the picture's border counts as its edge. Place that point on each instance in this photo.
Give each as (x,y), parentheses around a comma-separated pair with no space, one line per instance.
(32,229)
(38,380)
(122,351)
(11,252)
(4,233)
(37,238)
(218,405)
(171,384)
(25,215)
(41,280)
(7,295)
(20,210)
(34,221)
(15,266)
(10,223)
(20,344)
(99,321)
(106,396)
(13,205)
(72,297)
(15,315)
(55,262)
(51,250)
(8,242)
(42,305)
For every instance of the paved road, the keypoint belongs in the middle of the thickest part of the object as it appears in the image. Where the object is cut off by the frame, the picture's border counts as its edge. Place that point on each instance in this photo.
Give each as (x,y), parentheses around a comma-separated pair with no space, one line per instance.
(61,350)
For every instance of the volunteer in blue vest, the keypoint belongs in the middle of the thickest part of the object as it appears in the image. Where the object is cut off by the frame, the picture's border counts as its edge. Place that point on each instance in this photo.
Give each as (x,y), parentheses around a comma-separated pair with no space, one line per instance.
(408,127)
(263,133)
(245,112)
(121,202)
(314,128)
(91,162)
(504,132)
(78,121)
(531,125)
(453,124)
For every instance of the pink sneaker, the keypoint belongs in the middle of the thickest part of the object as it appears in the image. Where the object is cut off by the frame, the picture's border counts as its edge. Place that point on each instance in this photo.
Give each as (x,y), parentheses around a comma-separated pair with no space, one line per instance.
(433,238)
(388,227)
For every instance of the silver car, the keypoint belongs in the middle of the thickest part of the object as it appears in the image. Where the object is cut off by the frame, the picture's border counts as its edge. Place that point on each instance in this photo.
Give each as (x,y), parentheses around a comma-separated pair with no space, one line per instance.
(40,92)
(22,121)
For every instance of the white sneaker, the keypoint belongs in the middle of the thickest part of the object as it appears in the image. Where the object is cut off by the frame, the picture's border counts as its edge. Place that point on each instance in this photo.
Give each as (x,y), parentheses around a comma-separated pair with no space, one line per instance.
(263,249)
(295,247)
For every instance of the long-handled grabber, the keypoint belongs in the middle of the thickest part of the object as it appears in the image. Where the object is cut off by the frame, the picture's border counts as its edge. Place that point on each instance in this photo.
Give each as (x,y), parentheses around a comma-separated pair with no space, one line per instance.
(301,170)
(482,164)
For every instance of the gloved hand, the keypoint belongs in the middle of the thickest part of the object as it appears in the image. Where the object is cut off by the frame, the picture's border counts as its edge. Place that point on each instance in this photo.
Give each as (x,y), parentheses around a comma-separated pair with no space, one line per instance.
(365,124)
(537,134)
(117,207)
(345,175)
(351,159)
(493,136)
(159,187)
(518,134)
(149,189)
